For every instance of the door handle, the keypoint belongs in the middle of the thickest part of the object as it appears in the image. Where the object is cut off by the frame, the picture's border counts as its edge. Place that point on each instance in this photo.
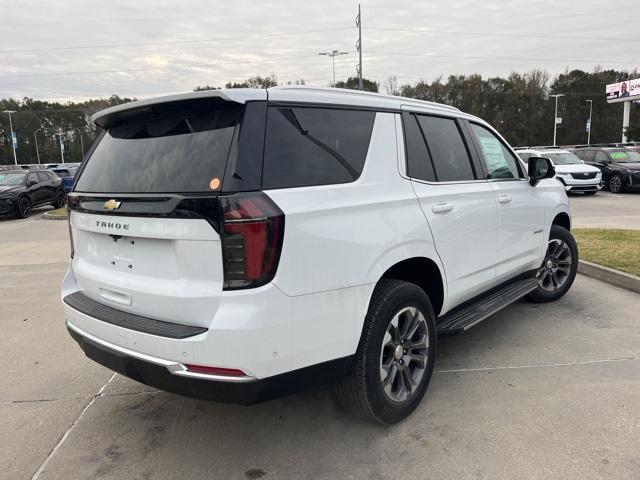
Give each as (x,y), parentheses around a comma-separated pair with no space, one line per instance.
(503,198)
(442,208)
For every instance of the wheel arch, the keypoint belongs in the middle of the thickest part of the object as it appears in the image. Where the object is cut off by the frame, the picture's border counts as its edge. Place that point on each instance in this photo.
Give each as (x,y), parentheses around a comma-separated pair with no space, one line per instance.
(423,272)
(563,220)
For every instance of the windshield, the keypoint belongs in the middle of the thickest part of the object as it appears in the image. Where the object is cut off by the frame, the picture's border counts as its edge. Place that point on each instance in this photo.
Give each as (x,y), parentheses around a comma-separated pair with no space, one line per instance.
(562,158)
(175,152)
(7,179)
(625,157)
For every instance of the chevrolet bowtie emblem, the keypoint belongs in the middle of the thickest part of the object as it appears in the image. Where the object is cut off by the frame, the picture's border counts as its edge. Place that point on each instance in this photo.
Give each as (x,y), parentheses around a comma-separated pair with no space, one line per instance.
(111,204)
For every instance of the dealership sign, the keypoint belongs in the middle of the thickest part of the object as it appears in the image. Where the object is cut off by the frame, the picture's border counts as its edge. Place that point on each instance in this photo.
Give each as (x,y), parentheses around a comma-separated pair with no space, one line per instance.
(623,91)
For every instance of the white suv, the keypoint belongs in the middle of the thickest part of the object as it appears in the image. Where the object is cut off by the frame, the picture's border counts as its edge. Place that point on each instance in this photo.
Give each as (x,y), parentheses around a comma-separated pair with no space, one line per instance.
(238,245)
(573,173)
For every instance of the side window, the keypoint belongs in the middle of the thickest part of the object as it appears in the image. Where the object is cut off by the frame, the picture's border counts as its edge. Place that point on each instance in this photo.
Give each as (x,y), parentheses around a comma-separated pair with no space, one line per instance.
(500,162)
(43,176)
(315,146)
(447,149)
(419,163)
(32,178)
(525,156)
(601,156)
(587,155)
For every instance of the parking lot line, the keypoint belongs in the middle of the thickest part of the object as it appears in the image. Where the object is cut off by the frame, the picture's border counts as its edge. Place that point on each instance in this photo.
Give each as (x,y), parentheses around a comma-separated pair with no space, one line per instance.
(540,365)
(44,464)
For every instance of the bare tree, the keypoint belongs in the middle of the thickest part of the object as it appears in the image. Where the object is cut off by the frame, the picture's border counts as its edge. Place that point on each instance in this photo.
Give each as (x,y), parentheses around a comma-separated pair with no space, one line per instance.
(391,86)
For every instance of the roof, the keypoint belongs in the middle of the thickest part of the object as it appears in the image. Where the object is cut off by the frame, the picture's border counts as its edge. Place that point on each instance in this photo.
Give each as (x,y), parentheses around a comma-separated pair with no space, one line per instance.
(285,93)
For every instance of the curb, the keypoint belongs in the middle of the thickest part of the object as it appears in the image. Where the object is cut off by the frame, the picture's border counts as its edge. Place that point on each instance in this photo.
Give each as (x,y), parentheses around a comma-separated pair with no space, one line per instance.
(48,216)
(609,275)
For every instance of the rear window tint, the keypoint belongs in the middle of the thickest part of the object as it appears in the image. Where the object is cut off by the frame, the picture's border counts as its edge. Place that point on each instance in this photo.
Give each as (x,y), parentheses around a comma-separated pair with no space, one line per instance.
(447,149)
(177,152)
(419,164)
(315,146)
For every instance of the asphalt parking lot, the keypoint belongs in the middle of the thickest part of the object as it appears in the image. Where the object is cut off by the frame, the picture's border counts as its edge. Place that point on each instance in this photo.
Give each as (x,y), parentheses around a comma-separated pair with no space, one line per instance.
(606,210)
(537,391)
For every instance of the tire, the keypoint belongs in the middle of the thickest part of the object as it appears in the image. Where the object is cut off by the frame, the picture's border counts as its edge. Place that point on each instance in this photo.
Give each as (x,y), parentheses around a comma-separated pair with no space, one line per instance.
(616,183)
(559,267)
(61,198)
(23,208)
(380,356)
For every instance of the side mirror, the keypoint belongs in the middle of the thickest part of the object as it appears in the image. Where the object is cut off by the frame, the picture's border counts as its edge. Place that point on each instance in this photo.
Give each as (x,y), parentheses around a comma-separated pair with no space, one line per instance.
(540,168)
(31,183)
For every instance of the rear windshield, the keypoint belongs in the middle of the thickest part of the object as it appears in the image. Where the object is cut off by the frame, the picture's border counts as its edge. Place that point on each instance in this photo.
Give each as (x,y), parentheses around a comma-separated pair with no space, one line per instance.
(62,173)
(168,152)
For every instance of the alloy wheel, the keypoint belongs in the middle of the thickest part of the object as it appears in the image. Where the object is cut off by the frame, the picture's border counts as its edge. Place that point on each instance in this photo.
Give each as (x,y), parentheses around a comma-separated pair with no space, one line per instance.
(556,267)
(615,184)
(404,354)
(25,207)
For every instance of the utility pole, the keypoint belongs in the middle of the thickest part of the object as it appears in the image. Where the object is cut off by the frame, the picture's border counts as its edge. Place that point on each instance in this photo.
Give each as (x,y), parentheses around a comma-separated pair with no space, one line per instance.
(35,140)
(14,140)
(333,54)
(590,102)
(359,48)
(61,145)
(555,118)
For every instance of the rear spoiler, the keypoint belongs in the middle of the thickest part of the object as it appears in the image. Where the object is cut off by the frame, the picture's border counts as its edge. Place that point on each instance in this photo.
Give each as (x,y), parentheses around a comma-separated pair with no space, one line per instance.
(113,115)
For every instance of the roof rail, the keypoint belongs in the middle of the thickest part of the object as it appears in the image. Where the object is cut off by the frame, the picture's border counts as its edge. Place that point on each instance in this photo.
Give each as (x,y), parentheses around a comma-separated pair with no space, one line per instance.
(521,148)
(361,93)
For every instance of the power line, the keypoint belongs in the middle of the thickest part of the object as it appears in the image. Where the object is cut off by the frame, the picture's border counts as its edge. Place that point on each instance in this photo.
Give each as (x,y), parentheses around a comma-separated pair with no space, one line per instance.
(173,68)
(175,42)
(93,20)
(506,35)
(507,59)
(527,12)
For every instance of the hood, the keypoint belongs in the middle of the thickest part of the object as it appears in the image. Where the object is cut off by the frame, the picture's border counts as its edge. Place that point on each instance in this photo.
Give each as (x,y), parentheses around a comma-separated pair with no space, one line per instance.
(6,189)
(626,166)
(576,168)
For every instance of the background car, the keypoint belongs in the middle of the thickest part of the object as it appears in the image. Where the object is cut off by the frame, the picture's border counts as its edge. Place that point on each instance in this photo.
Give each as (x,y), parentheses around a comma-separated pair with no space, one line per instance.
(620,167)
(67,175)
(20,191)
(573,173)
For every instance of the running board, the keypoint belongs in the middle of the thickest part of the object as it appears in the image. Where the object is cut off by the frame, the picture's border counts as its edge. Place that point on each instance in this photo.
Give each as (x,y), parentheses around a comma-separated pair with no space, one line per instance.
(459,320)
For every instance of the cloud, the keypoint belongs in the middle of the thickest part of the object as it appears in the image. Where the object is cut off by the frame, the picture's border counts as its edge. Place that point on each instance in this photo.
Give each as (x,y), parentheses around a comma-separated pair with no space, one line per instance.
(151,47)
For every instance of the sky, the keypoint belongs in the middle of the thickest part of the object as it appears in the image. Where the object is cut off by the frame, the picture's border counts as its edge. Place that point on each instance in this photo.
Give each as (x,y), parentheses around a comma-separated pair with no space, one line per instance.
(74,50)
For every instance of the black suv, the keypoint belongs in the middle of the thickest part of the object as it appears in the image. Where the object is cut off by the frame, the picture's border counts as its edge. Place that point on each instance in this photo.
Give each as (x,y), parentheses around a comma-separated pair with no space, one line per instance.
(22,190)
(620,166)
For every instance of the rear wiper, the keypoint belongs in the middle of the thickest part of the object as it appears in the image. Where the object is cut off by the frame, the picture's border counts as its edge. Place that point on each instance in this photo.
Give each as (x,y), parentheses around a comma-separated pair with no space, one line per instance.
(291,117)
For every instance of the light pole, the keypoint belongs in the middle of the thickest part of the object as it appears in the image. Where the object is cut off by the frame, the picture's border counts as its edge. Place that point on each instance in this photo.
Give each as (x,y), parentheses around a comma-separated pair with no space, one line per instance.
(555,117)
(333,54)
(590,102)
(13,139)
(35,140)
(61,145)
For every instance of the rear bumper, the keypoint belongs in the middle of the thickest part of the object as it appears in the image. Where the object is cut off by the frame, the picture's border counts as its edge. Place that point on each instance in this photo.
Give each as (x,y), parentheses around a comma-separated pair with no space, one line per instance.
(173,377)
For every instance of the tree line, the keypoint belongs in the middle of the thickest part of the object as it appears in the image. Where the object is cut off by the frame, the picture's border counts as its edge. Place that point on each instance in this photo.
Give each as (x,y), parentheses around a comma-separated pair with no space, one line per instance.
(519,106)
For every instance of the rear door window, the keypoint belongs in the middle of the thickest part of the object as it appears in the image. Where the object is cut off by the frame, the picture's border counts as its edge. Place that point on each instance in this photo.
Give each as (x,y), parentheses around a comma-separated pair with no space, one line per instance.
(419,163)
(601,156)
(173,152)
(315,146)
(43,176)
(447,149)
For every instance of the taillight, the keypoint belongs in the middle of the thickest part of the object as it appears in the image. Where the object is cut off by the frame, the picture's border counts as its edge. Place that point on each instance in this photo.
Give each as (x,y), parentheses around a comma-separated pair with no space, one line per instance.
(252,229)
(71,203)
